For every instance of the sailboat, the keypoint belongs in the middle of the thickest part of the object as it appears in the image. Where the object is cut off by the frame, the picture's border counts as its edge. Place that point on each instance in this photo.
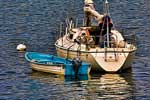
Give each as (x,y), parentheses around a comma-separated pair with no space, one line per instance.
(104,47)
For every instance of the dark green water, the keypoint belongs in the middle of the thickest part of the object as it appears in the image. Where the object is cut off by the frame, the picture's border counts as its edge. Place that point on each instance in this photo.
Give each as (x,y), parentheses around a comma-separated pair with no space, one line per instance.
(36,23)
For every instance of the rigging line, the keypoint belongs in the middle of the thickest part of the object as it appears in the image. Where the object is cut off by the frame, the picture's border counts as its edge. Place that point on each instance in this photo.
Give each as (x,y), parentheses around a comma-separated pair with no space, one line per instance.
(68,49)
(108,44)
(106,11)
(100,39)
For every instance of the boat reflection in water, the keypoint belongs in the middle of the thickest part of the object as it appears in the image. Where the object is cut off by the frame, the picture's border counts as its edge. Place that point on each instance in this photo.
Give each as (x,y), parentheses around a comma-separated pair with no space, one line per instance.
(46,77)
(94,87)
(111,86)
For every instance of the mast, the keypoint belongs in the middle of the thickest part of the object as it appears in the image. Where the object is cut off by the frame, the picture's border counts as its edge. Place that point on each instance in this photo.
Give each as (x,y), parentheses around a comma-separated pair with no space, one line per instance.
(107,14)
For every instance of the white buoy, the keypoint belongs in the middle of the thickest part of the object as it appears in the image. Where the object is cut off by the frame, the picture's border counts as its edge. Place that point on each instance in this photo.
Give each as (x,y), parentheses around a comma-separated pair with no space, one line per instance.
(21,47)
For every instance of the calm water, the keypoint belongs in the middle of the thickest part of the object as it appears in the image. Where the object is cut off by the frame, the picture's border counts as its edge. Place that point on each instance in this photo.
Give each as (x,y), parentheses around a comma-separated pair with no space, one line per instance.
(36,23)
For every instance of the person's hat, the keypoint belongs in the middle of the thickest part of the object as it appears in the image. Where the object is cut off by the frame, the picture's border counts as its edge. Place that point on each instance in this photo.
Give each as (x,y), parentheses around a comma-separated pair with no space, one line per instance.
(88,1)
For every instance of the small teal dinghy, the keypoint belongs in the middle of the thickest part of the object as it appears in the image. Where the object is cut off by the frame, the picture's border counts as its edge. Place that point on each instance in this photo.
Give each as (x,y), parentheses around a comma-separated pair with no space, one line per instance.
(57,65)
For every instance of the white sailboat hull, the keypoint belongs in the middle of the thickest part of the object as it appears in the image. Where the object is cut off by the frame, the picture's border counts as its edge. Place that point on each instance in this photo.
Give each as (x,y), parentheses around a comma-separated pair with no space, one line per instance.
(98,61)
(101,59)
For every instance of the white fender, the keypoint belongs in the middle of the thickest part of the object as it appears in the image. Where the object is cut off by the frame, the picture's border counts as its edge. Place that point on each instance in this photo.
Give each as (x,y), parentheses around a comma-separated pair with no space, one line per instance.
(21,47)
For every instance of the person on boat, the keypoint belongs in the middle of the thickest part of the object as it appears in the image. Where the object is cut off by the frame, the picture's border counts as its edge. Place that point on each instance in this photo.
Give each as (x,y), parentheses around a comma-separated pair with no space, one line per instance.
(90,12)
(104,21)
(89,3)
(88,15)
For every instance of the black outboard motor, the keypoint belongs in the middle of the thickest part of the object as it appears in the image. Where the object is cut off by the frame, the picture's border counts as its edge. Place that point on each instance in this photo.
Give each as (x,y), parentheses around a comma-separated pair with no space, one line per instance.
(76,64)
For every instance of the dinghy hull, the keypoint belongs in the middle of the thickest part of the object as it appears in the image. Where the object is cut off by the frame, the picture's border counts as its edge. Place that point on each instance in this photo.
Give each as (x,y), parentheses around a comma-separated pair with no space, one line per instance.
(55,65)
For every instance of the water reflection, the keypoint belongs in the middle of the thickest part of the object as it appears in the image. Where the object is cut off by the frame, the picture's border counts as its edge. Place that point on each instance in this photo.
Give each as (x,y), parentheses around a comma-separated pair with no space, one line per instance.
(96,86)
(46,77)
(111,86)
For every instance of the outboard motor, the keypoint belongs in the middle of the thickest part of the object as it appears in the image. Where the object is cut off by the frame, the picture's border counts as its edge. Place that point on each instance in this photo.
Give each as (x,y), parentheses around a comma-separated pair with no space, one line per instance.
(76,64)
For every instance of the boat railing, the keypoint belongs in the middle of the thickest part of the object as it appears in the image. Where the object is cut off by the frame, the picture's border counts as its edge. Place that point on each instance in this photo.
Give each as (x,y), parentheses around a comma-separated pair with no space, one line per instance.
(112,45)
(101,40)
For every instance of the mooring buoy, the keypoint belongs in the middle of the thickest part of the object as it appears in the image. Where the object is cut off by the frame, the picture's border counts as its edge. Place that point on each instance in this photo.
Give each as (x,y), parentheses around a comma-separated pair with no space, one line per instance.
(21,47)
